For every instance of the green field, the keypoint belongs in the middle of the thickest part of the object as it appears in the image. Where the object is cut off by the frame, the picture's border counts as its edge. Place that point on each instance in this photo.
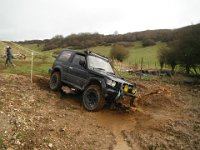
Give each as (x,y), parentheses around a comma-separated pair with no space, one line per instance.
(137,52)
(43,59)
(149,54)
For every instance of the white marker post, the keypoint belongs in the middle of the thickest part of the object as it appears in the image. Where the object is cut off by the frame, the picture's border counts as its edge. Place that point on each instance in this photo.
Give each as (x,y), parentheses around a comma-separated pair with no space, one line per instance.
(32,67)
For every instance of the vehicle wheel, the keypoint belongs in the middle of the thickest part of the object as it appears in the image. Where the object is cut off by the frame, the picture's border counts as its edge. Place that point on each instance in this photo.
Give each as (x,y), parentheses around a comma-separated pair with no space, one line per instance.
(55,81)
(93,99)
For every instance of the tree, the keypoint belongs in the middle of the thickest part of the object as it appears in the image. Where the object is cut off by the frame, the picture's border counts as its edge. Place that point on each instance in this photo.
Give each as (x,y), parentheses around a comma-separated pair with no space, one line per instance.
(55,42)
(148,42)
(162,57)
(183,50)
(168,56)
(187,47)
(119,52)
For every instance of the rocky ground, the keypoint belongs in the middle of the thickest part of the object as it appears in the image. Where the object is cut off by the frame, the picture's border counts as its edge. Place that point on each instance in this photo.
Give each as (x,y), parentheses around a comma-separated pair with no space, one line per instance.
(32,117)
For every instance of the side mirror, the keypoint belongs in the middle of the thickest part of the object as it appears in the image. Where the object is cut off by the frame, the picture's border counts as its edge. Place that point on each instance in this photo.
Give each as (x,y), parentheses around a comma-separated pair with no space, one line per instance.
(82,63)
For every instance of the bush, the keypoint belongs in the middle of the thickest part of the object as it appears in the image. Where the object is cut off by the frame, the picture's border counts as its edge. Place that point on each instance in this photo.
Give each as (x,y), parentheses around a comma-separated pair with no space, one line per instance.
(148,42)
(167,55)
(119,52)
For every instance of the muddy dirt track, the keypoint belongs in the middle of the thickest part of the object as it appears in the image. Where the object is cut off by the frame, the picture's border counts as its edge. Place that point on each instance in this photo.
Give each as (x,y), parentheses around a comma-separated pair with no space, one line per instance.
(33,117)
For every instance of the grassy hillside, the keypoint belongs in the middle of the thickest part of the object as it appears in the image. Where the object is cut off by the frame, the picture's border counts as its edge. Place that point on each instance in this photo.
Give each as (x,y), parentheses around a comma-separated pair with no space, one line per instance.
(149,54)
(42,60)
(137,51)
(15,48)
(35,47)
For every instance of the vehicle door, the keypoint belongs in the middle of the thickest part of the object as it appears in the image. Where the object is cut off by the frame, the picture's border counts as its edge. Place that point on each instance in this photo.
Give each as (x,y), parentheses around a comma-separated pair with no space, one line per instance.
(64,62)
(78,72)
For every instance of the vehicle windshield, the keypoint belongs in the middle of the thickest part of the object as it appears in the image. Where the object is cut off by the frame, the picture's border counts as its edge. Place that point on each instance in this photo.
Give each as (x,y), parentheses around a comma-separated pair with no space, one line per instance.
(99,64)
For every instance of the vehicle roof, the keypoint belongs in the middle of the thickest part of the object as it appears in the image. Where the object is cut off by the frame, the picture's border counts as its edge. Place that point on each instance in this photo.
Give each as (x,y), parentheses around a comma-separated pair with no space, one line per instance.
(86,52)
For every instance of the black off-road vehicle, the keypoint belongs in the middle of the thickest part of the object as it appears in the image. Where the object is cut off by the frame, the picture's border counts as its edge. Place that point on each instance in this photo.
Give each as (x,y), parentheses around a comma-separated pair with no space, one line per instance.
(91,74)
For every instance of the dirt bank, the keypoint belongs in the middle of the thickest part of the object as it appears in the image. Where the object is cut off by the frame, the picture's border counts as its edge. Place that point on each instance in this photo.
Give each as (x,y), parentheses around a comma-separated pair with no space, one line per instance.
(33,117)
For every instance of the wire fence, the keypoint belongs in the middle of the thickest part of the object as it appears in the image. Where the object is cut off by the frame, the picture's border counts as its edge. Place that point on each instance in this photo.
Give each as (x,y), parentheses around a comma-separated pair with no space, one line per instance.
(138,65)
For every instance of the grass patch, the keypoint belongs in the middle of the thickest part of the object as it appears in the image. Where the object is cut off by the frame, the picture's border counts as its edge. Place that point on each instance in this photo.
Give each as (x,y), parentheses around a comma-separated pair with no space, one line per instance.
(102,50)
(24,67)
(20,137)
(124,75)
(147,78)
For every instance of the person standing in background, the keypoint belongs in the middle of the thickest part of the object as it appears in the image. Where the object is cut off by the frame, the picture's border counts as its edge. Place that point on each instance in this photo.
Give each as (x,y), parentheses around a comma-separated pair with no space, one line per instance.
(9,56)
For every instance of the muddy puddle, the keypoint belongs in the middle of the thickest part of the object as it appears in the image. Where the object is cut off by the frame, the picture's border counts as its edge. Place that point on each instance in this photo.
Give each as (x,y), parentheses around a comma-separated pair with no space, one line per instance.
(145,126)
(118,122)
(113,120)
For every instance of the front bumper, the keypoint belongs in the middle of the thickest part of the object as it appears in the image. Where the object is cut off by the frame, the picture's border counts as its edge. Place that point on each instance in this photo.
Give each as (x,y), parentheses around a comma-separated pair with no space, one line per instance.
(117,94)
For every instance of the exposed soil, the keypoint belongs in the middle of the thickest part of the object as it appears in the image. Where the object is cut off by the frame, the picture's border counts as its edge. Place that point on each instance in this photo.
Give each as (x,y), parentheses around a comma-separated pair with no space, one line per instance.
(33,117)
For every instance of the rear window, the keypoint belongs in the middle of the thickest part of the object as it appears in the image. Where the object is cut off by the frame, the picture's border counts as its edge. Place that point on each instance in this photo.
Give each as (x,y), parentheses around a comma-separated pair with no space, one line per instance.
(65,55)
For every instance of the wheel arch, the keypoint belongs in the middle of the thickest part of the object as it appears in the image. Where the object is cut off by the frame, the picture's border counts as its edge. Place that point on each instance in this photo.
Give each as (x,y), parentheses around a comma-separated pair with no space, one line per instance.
(57,69)
(96,81)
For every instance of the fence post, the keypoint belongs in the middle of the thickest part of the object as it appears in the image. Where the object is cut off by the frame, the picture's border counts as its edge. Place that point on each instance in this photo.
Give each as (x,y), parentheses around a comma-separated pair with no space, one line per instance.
(141,67)
(32,67)
(141,63)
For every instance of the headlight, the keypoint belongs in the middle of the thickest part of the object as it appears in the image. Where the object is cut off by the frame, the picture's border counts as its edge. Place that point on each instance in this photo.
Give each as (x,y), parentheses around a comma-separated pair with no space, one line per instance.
(134,91)
(111,82)
(126,88)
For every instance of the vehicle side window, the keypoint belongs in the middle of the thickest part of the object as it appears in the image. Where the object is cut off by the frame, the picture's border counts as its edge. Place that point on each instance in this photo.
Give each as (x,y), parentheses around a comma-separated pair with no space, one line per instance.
(65,56)
(77,58)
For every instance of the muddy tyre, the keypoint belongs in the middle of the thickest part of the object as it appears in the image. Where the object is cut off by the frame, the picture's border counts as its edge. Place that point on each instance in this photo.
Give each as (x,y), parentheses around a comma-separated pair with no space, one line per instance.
(93,99)
(55,81)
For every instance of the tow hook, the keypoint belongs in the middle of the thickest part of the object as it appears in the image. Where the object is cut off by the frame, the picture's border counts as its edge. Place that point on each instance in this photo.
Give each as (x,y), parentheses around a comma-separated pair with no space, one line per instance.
(118,96)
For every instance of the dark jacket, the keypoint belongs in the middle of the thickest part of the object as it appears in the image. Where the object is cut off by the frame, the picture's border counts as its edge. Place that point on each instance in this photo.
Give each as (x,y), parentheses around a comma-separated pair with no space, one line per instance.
(9,52)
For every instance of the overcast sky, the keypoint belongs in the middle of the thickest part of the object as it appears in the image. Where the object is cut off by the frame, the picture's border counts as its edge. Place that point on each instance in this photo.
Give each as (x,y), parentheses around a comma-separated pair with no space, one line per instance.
(40,19)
